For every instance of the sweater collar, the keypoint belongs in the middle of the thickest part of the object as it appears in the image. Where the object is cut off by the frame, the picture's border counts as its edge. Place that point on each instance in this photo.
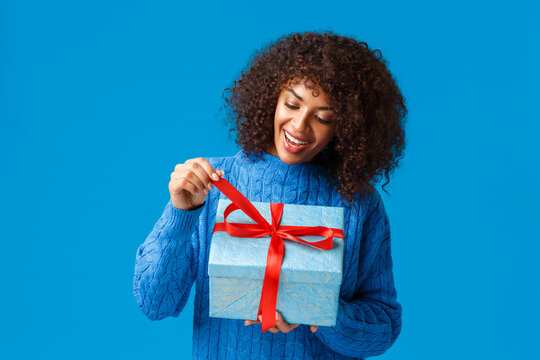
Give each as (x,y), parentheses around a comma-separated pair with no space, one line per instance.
(275,162)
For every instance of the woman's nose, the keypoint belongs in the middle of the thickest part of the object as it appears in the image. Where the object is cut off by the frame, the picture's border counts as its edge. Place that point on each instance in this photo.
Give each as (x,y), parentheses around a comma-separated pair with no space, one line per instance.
(301,122)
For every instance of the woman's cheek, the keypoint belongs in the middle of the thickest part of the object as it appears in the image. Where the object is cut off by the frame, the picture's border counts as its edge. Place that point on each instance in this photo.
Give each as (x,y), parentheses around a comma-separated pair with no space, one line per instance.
(281,114)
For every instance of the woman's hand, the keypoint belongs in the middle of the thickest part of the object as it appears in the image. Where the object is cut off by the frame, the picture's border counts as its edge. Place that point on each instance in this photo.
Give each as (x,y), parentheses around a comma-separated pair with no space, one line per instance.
(281,325)
(190,183)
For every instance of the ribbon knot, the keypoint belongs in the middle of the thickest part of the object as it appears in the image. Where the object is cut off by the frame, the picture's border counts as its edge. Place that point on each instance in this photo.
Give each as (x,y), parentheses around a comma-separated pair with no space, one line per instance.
(276,249)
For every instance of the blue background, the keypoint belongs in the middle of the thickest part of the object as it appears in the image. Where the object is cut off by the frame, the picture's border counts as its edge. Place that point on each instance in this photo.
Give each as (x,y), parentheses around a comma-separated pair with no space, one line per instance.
(99,100)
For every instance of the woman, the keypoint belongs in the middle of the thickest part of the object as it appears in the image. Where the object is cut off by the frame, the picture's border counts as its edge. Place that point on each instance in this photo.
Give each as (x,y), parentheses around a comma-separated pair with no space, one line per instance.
(319,119)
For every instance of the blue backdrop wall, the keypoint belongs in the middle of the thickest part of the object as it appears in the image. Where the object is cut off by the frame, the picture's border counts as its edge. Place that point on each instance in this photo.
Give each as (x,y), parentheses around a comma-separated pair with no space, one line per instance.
(99,100)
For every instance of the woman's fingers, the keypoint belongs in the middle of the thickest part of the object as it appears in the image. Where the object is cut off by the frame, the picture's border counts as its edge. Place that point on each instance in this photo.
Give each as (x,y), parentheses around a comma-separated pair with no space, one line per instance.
(190,177)
(282,325)
(251,322)
(179,183)
(194,169)
(190,183)
(273,330)
(204,170)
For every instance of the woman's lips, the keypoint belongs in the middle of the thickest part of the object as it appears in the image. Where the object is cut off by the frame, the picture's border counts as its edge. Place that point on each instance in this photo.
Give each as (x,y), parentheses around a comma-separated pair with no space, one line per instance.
(291,147)
(292,137)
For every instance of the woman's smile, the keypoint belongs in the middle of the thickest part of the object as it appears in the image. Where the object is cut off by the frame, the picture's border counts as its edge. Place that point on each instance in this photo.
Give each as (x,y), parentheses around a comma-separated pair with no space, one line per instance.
(294,144)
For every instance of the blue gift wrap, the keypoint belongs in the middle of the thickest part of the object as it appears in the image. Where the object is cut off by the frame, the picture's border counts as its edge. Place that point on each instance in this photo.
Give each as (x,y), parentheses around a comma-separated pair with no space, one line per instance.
(310,278)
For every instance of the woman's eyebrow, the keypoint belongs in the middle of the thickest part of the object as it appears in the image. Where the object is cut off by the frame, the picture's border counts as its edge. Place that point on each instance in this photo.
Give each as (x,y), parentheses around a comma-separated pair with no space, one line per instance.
(301,99)
(295,94)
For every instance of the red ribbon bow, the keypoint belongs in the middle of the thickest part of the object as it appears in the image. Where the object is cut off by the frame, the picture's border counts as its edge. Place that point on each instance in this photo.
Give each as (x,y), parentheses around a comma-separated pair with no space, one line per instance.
(267,305)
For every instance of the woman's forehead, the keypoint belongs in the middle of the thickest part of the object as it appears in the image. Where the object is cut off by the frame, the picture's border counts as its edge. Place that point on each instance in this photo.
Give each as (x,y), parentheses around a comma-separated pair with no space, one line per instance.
(302,89)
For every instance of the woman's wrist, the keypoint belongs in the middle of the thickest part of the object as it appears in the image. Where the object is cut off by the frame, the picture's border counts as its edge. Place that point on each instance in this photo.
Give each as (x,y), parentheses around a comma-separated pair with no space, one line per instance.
(187,209)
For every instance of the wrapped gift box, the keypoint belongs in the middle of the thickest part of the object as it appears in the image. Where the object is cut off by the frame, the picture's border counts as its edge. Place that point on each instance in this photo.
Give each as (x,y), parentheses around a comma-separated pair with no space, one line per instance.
(310,278)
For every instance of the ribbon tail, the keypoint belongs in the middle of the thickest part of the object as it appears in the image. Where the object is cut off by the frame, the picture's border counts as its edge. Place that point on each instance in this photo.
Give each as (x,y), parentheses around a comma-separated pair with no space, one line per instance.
(267,305)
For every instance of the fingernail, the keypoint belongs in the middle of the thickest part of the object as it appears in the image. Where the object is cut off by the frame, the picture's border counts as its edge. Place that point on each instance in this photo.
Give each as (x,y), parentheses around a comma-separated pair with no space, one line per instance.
(210,186)
(222,172)
(205,191)
(276,317)
(215,177)
(260,318)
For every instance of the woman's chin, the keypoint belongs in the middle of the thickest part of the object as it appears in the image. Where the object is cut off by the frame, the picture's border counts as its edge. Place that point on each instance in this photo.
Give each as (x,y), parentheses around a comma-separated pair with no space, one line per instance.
(289,158)
(286,156)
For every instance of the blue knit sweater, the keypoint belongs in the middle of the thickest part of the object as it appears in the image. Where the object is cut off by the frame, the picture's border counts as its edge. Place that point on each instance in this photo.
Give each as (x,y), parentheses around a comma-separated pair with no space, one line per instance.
(175,254)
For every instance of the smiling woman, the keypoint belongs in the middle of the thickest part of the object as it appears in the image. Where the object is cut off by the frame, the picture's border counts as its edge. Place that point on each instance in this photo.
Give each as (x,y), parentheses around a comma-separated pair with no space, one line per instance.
(318,117)
(325,70)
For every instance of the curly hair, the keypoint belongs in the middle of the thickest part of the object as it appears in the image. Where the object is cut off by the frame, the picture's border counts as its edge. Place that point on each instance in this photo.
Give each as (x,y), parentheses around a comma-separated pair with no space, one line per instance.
(369,108)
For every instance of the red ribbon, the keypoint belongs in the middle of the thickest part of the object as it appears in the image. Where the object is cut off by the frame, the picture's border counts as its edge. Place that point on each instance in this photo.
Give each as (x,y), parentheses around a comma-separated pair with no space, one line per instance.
(267,305)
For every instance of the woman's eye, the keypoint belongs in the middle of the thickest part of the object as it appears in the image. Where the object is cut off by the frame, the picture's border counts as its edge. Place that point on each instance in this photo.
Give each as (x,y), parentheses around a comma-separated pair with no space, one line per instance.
(322,121)
(291,106)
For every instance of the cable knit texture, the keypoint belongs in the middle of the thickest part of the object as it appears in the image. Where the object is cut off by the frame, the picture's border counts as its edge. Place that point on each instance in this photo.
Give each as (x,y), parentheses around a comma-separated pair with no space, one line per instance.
(175,254)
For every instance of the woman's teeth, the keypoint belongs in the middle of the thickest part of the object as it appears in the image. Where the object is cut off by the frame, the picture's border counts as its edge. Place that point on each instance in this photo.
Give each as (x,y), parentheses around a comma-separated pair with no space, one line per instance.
(293,142)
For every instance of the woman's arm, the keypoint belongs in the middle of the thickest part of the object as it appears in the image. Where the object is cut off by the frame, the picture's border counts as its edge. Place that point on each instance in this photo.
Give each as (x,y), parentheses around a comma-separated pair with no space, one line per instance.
(370,322)
(166,263)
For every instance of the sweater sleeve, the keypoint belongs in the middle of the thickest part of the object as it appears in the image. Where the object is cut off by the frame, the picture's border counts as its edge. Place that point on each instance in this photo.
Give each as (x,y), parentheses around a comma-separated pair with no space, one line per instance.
(370,322)
(166,263)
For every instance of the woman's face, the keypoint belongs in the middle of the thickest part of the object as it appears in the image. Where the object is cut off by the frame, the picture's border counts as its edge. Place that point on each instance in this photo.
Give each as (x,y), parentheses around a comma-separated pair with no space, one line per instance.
(303,124)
